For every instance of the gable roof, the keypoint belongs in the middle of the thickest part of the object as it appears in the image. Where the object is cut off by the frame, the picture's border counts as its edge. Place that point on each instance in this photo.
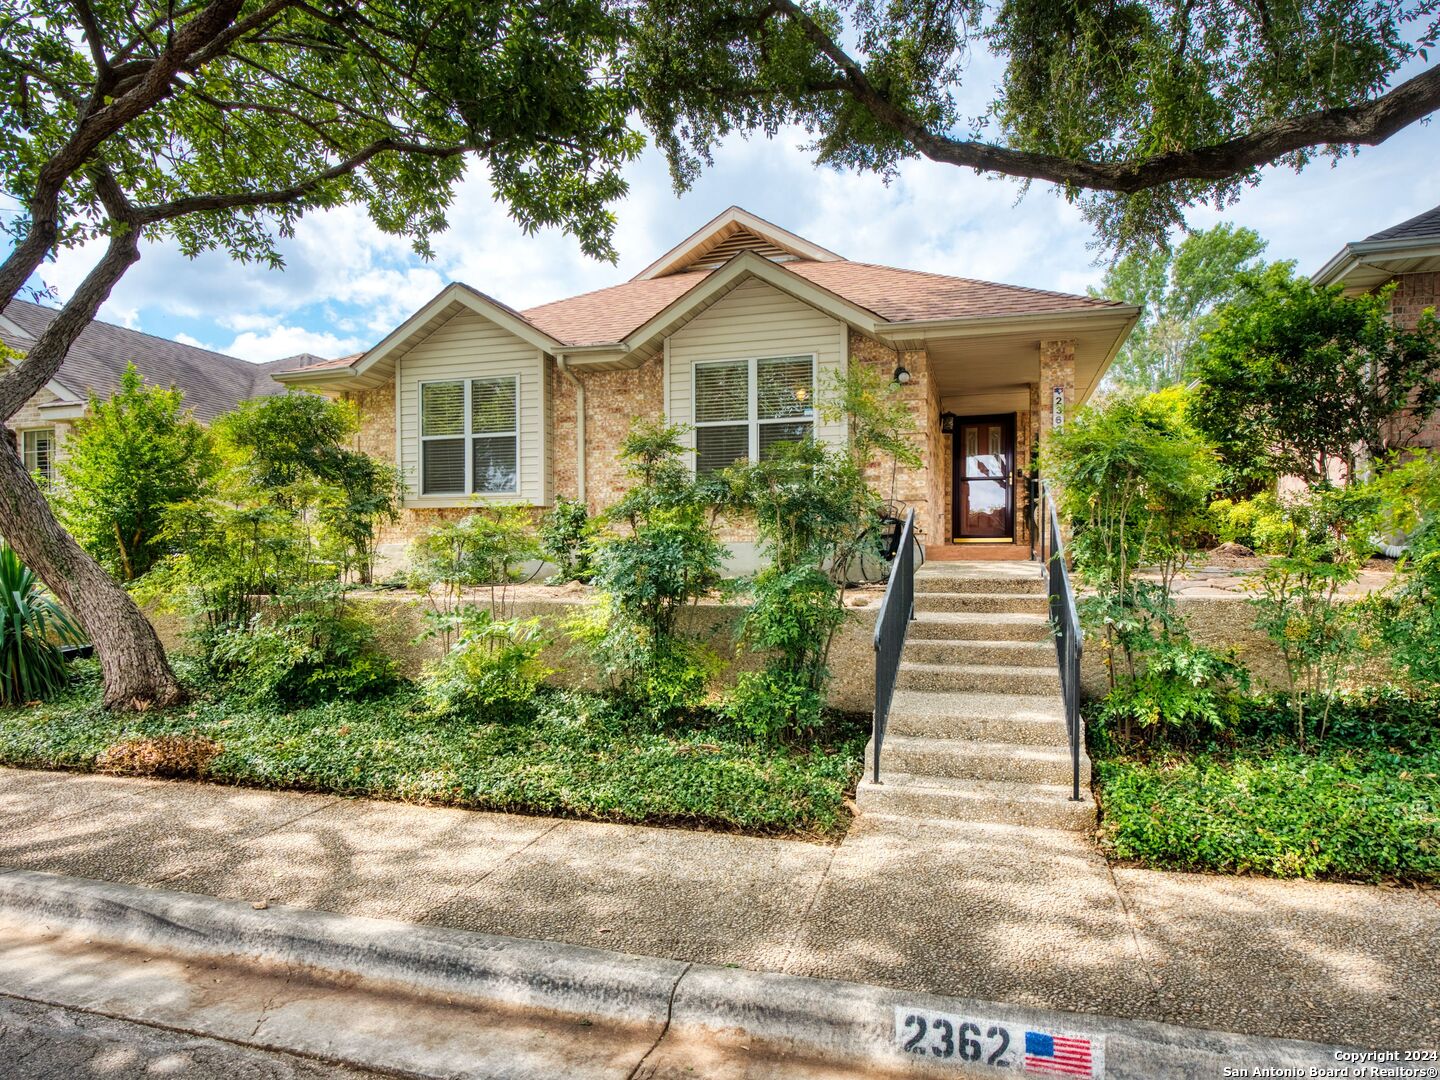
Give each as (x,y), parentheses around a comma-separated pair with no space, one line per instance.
(1411,247)
(618,325)
(727,234)
(213,383)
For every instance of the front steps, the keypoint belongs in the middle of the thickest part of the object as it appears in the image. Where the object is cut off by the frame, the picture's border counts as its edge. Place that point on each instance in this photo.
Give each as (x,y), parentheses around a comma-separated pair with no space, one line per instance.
(977,729)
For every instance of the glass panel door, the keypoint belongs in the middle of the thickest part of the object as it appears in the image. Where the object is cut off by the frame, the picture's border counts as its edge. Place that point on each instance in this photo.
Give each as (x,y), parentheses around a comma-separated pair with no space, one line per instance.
(984,478)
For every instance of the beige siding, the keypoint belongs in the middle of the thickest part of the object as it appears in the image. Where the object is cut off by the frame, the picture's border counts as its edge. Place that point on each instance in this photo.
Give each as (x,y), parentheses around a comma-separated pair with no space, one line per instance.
(469,346)
(756,320)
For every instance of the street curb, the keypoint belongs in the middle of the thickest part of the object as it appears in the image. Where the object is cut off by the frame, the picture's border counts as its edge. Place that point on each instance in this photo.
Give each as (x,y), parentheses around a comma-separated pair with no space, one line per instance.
(842,1023)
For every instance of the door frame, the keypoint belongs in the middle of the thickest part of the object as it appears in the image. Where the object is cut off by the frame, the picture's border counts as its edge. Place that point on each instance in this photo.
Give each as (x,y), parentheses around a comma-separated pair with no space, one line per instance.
(957,477)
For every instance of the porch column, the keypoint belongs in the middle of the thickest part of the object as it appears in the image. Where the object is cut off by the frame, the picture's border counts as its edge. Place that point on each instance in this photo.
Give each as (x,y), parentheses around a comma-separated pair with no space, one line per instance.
(1056,389)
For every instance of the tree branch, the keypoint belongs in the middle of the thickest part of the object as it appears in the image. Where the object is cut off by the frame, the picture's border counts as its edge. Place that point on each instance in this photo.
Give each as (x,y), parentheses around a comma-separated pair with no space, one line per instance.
(1368,123)
(240,200)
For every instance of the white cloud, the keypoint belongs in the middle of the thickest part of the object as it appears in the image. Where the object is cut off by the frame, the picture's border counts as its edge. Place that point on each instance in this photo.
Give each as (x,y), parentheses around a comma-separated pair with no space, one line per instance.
(282,341)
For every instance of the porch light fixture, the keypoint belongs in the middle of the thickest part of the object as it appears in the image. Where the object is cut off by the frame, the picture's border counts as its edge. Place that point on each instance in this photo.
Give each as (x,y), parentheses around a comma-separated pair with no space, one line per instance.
(902,375)
(947,423)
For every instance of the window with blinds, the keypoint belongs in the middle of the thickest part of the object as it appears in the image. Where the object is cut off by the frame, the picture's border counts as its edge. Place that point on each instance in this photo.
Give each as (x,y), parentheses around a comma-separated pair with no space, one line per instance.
(39,451)
(470,437)
(746,408)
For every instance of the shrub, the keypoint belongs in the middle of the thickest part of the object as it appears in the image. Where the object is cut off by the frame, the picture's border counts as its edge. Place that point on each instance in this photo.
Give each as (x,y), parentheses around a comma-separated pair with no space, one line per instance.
(486,549)
(493,662)
(301,648)
(566,533)
(289,452)
(1135,480)
(659,555)
(1321,542)
(1409,616)
(127,462)
(812,508)
(33,626)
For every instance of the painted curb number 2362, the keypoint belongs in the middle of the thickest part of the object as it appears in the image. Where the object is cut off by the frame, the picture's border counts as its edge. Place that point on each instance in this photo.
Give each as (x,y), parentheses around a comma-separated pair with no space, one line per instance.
(939,1035)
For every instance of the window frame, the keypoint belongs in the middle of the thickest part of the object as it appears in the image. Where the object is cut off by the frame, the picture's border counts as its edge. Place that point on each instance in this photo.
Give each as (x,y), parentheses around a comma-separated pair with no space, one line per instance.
(467,437)
(47,473)
(752,421)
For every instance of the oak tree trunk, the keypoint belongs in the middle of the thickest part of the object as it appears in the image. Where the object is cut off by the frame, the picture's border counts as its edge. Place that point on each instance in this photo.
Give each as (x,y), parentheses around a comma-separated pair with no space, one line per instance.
(137,673)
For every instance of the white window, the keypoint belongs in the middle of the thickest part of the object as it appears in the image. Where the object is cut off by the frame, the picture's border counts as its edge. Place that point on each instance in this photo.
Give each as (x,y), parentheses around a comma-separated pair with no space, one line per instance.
(470,437)
(38,446)
(744,408)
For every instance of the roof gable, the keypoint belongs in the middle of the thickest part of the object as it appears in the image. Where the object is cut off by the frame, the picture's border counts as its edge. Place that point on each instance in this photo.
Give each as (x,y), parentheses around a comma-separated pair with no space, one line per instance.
(727,235)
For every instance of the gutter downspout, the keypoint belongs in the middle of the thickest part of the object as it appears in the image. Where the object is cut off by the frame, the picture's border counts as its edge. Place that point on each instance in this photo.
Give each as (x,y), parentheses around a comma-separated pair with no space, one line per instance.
(564,364)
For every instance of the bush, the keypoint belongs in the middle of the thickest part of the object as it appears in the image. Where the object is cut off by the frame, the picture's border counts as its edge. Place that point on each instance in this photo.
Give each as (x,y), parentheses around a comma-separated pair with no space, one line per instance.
(566,533)
(812,508)
(1183,691)
(127,462)
(493,662)
(1410,615)
(1320,537)
(659,555)
(302,648)
(33,626)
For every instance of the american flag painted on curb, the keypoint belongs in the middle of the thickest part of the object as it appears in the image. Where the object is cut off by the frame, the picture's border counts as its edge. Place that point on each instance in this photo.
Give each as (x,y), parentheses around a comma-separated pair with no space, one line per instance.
(1058,1055)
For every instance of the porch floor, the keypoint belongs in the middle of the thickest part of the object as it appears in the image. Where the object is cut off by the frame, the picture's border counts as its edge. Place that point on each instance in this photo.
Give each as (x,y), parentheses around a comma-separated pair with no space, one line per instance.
(972,552)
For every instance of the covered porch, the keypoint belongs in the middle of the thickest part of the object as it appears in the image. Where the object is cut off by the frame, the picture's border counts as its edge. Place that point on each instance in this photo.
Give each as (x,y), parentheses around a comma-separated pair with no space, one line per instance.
(987,395)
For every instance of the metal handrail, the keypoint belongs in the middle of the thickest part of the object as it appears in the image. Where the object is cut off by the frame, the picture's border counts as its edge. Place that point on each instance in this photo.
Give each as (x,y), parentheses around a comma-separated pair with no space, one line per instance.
(892,624)
(1065,625)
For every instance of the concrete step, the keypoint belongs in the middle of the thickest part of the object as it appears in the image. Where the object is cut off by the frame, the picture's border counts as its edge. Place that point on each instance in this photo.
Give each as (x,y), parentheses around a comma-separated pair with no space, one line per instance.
(928,581)
(1013,718)
(979,626)
(1015,653)
(901,798)
(965,759)
(986,678)
(1008,603)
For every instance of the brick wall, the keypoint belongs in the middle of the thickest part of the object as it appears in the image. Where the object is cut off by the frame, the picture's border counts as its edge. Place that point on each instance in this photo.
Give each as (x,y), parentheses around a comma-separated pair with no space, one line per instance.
(376,409)
(1057,369)
(613,401)
(30,416)
(921,488)
(1415,293)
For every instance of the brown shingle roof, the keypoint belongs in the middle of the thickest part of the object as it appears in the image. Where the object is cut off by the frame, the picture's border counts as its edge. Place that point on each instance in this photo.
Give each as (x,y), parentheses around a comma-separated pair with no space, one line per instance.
(607,315)
(213,382)
(903,295)
(1419,227)
(895,295)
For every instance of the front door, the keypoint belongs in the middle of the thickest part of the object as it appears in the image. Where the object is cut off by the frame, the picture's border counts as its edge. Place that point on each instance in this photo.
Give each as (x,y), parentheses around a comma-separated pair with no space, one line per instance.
(984,498)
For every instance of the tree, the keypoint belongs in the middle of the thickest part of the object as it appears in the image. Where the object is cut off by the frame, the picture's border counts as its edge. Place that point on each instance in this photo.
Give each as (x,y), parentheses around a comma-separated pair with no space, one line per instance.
(288,451)
(218,123)
(1177,289)
(1138,110)
(1296,378)
(127,462)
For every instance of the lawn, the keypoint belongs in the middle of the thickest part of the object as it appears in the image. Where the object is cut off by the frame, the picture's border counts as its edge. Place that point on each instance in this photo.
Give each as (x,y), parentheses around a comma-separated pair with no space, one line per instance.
(1364,806)
(569,754)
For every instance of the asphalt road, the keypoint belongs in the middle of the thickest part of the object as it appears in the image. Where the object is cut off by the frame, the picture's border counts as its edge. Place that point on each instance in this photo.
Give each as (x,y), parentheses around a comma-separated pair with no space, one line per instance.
(45,1042)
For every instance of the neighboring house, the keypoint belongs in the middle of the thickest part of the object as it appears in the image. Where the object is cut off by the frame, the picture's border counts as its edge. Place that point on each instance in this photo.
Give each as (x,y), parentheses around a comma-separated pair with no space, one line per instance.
(212,382)
(734,333)
(1407,254)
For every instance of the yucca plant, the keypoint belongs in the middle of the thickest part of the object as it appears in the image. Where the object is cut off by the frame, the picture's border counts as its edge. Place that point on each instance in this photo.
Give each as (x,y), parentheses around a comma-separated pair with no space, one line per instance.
(33,627)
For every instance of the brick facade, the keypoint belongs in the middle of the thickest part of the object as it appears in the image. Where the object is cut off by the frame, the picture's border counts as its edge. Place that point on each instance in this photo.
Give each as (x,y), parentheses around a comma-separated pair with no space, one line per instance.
(614,400)
(1414,294)
(1057,370)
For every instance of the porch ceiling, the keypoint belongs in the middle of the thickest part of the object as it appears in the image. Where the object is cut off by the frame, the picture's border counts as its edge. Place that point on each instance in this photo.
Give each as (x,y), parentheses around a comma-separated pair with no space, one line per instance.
(992,372)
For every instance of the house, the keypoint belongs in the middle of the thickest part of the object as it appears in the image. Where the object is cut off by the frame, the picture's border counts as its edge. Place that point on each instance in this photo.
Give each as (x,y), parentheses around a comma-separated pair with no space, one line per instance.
(734,333)
(1407,254)
(213,383)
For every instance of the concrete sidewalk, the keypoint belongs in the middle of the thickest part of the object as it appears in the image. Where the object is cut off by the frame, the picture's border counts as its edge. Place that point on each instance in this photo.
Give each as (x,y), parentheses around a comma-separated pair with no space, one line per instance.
(1002,913)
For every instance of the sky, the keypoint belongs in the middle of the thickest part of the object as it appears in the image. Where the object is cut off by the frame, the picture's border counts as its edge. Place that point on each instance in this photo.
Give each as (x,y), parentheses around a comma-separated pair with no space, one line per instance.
(345,284)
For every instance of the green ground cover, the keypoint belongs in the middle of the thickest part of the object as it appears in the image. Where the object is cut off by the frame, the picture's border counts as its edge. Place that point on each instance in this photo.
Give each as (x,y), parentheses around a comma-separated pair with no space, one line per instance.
(1363,806)
(564,753)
